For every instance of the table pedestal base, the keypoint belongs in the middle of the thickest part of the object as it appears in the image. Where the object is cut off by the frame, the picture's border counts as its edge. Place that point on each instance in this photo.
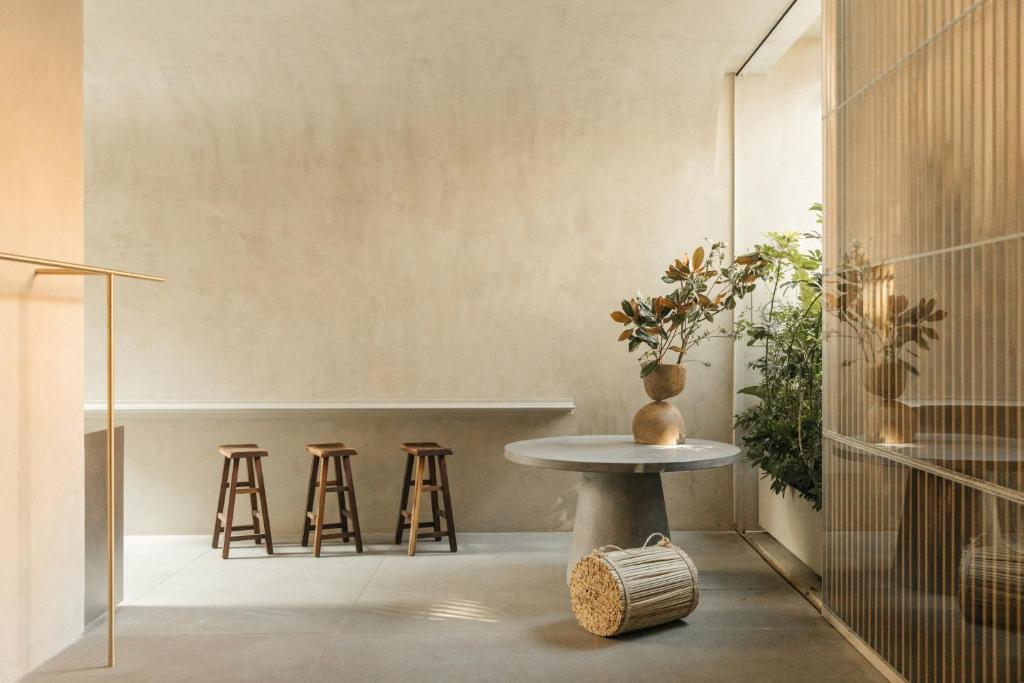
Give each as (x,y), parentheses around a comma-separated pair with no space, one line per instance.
(616,509)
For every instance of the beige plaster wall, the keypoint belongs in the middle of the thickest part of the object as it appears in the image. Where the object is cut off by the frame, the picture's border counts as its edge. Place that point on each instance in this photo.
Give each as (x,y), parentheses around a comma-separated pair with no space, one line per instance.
(41,495)
(778,176)
(402,200)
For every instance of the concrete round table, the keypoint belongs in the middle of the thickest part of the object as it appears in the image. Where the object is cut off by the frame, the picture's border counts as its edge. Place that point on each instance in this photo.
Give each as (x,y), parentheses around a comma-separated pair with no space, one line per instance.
(620,501)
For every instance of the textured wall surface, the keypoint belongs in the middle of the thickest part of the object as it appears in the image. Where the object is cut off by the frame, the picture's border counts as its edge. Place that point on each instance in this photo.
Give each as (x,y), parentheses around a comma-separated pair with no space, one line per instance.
(41,496)
(403,200)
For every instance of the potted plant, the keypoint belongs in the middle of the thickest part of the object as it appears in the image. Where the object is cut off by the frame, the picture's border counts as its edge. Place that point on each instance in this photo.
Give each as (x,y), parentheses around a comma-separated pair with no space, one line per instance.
(890,333)
(668,326)
(781,432)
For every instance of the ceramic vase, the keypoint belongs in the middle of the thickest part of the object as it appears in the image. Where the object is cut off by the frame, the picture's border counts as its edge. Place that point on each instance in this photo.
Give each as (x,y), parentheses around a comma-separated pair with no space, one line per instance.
(659,422)
(889,421)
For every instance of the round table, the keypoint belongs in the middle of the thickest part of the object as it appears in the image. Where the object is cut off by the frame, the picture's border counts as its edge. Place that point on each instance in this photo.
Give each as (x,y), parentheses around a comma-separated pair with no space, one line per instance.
(620,501)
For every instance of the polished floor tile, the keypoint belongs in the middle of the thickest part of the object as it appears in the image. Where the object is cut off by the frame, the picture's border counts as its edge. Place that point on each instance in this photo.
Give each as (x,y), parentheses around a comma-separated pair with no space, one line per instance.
(154,559)
(187,658)
(496,610)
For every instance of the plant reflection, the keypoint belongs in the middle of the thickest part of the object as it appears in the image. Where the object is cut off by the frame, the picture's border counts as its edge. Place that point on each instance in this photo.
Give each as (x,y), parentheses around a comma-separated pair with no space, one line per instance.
(890,333)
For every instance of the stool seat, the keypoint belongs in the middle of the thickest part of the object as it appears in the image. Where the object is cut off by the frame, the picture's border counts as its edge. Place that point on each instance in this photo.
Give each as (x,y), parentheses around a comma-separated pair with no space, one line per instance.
(427,448)
(242,451)
(322,450)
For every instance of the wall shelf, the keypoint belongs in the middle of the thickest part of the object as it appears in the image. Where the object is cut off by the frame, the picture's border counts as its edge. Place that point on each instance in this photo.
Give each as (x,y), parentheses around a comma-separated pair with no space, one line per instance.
(552,405)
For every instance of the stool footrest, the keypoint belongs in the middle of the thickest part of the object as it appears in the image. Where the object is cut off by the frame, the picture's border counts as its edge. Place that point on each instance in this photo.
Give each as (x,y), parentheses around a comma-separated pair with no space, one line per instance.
(333,525)
(221,516)
(431,535)
(422,525)
(227,485)
(336,489)
(248,537)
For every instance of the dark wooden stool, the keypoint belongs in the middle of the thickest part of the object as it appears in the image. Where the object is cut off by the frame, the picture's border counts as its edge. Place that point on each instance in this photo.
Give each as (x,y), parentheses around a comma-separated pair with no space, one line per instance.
(234,454)
(423,456)
(323,454)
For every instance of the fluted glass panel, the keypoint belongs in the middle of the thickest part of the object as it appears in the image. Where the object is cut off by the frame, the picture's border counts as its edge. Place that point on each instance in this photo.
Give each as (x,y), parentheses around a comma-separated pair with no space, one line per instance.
(924,243)
(925,570)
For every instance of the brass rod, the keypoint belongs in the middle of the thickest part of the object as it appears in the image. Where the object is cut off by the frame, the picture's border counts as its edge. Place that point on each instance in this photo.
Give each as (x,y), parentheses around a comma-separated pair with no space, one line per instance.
(65,268)
(111,471)
(80,268)
(64,271)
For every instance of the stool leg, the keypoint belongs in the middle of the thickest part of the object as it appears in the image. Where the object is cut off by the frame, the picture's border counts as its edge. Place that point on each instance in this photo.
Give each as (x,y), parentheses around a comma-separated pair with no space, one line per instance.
(433,498)
(307,523)
(414,512)
(405,499)
(318,531)
(253,502)
(353,510)
(263,504)
(229,517)
(217,526)
(449,519)
(345,535)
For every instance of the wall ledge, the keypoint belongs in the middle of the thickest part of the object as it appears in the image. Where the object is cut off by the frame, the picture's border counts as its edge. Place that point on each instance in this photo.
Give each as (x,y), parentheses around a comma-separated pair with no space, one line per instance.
(552,405)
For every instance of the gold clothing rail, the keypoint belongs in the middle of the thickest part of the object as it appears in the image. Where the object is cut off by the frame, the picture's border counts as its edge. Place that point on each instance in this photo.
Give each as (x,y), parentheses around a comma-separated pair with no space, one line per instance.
(53,267)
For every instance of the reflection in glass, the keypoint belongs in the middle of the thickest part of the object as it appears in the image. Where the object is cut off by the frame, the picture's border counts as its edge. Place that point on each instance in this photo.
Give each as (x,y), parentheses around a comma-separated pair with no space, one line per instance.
(890,334)
(924,341)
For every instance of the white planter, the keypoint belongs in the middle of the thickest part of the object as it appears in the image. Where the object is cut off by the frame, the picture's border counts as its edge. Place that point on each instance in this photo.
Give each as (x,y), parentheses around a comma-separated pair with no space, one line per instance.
(793,522)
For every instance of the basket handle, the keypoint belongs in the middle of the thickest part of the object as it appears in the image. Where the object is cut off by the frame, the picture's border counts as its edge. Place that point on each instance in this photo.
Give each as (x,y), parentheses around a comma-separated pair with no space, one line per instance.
(606,548)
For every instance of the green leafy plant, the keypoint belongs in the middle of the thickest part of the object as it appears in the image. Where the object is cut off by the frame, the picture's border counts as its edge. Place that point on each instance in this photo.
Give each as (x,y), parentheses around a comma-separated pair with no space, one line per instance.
(782,431)
(705,286)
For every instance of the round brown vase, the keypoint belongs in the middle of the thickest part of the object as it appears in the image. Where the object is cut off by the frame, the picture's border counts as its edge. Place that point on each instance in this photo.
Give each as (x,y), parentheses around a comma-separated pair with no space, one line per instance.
(659,422)
(886,380)
(889,421)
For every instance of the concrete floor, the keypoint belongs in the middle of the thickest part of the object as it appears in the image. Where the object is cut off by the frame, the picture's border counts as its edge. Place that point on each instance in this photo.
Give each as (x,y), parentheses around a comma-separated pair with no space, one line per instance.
(497,610)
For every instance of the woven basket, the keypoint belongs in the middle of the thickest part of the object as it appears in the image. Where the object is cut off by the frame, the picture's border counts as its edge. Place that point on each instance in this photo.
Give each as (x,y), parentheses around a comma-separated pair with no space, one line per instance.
(617,591)
(991,581)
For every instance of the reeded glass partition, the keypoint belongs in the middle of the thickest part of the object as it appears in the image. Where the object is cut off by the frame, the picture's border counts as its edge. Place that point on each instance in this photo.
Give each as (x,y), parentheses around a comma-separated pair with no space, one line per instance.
(924,481)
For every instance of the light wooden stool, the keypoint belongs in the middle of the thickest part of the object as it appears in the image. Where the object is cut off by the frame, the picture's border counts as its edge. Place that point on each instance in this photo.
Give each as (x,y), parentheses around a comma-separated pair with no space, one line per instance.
(323,454)
(422,456)
(255,487)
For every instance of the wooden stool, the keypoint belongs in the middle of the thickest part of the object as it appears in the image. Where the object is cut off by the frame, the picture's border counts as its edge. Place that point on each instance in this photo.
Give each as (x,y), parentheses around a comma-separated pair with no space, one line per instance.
(323,454)
(425,455)
(234,454)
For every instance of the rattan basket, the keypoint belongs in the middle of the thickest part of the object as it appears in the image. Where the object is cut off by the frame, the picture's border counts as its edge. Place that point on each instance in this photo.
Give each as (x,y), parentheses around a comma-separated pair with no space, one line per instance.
(616,591)
(991,586)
